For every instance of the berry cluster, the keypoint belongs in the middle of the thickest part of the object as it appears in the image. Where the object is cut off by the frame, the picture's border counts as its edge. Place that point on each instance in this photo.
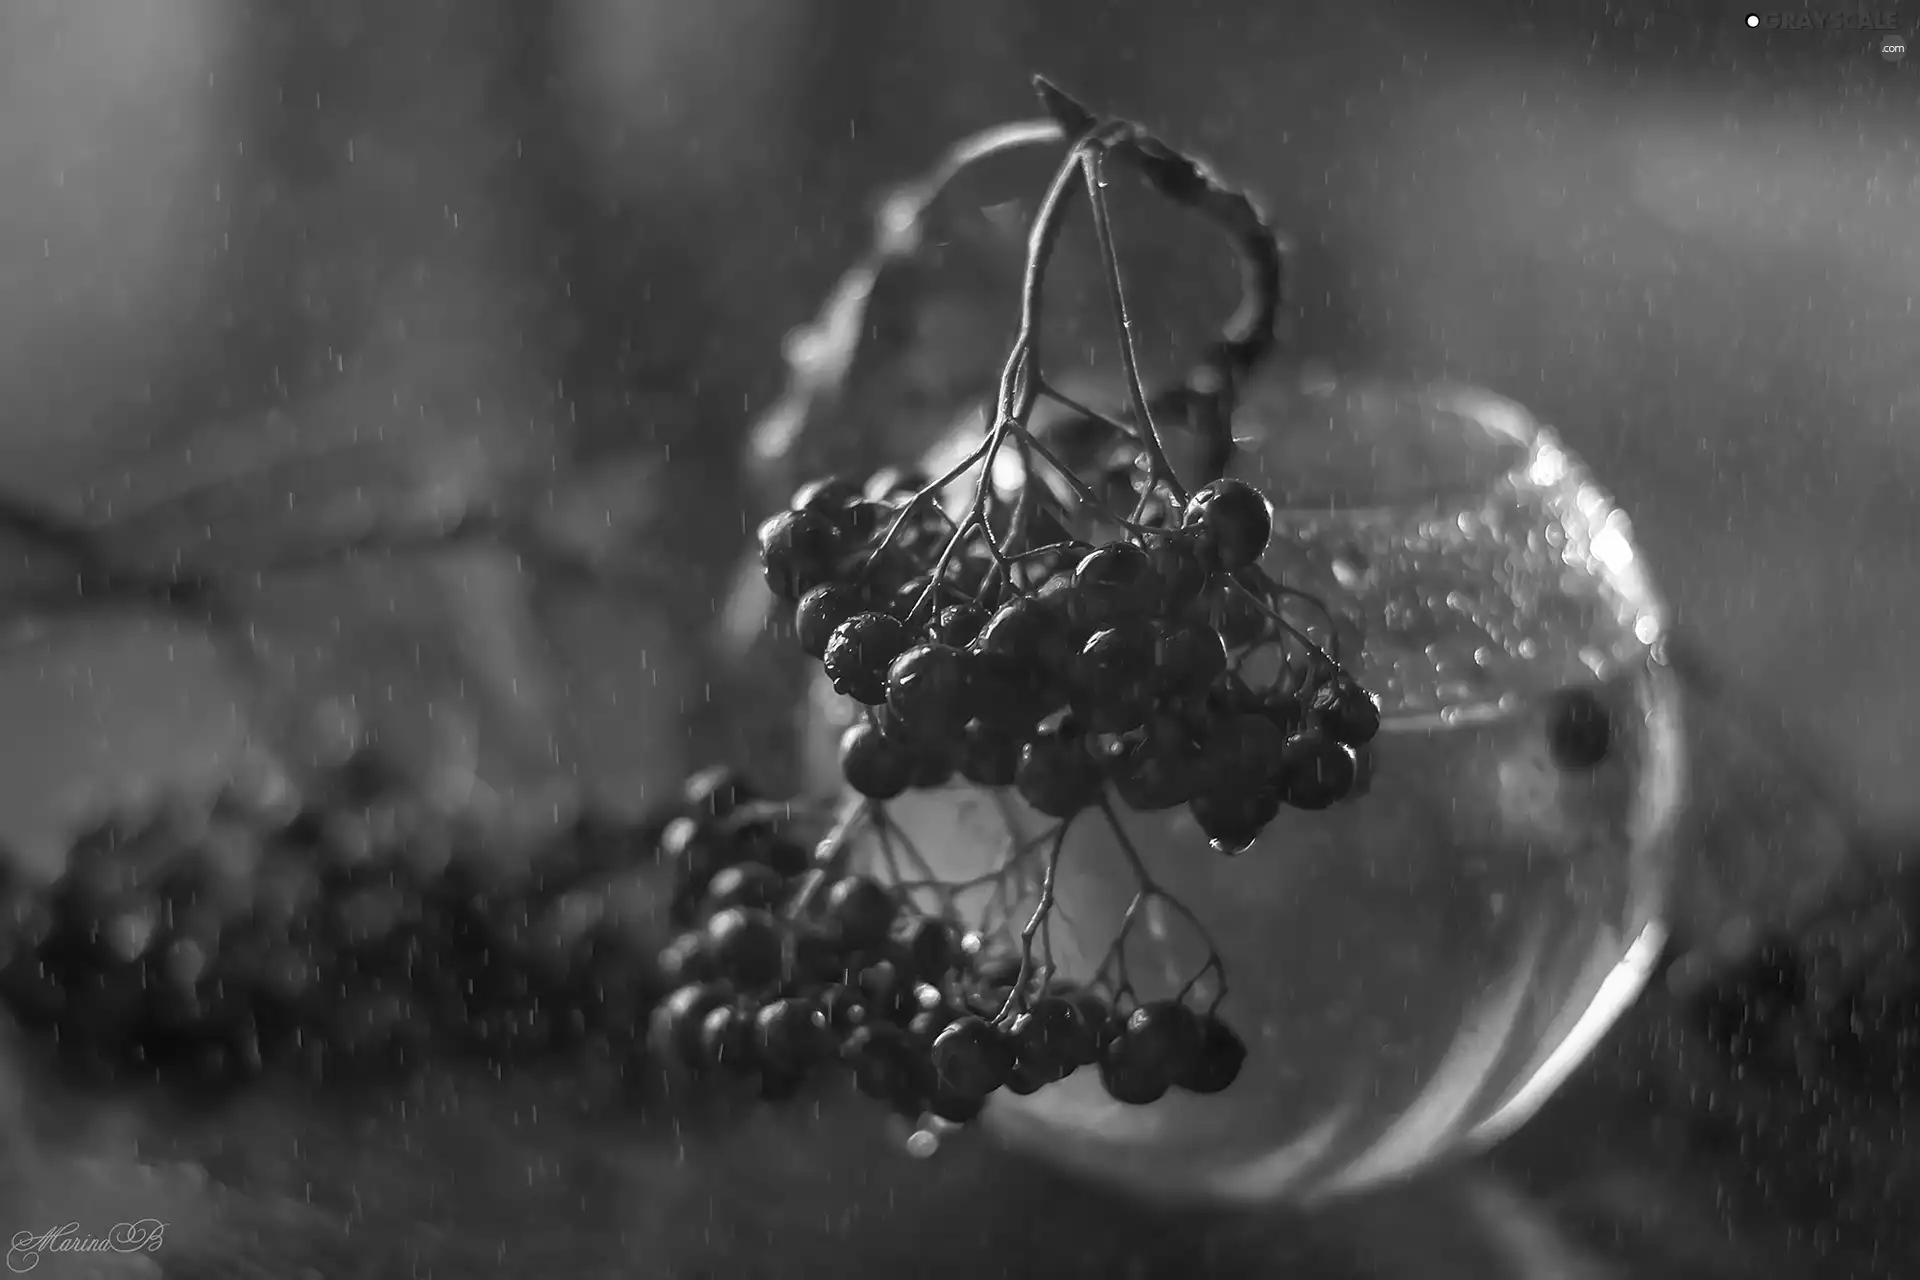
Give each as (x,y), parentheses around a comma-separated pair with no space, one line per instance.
(782,975)
(349,932)
(1119,665)
(1084,634)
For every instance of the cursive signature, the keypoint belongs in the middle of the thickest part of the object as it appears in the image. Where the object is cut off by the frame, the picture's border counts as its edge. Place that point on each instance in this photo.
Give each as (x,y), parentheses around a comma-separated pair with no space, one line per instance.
(25,1249)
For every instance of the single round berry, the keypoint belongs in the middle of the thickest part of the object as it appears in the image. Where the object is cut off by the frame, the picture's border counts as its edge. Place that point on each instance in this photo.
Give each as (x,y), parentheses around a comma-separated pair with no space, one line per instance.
(859,653)
(682,962)
(1110,583)
(1180,572)
(1168,1030)
(827,496)
(1111,678)
(1579,729)
(1346,711)
(861,912)
(790,1034)
(726,1039)
(716,791)
(1002,701)
(820,613)
(1231,522)
(1243,750)
(972,1058)
(1131,1074)
(697,850)
(748,945)
(1217,1062)
(960,624)
(873,764)
(989,757)
(1057,775)
(931,764)
(751,884)
(955,1108)
(1054,1031)
(881,1059)
(1159,771)
(1232,817)
(1189,657)
(927,944)
(1317,771)
(1028,639)
(799,550)
(927,689)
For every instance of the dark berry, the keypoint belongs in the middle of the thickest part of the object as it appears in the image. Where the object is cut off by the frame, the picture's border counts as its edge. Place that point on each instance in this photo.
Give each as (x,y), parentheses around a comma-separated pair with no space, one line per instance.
(931,765)
(716,791)
(1216,1063)
(843,1007)
(972,1058)
(1002,701)
(1232,817)
(828,496)
(1054,1031)
(1132,1075)
(1096,1014)
(1346,711)
(859,653)
(763,840)
(1317,771)
(989,757)
(1579,730)
(790,1034)
(1168,1030)
(875,765)
(960,624)
(799,550)
(881,1059)
(1028,639)
(820,613)
(1159,771)
(675,1030)
(956,1108)
(926,1025)
(927,944)
(1057,775)
(1189,656)
(927,689)
(726,1038)
(750,884)
(888,992)
(861,912)
(1245,751)
(686,960)
(1231,522)
(1111,678)
(1110,583)
(1179,571)
(748,945)
(697,850)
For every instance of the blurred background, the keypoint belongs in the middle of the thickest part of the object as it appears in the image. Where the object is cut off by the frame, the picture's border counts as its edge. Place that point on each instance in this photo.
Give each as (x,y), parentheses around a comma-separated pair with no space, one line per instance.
(280,277)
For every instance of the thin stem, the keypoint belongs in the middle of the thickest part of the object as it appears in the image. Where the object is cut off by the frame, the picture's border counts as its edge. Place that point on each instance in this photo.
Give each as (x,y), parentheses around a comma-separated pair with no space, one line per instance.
(1116,293)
